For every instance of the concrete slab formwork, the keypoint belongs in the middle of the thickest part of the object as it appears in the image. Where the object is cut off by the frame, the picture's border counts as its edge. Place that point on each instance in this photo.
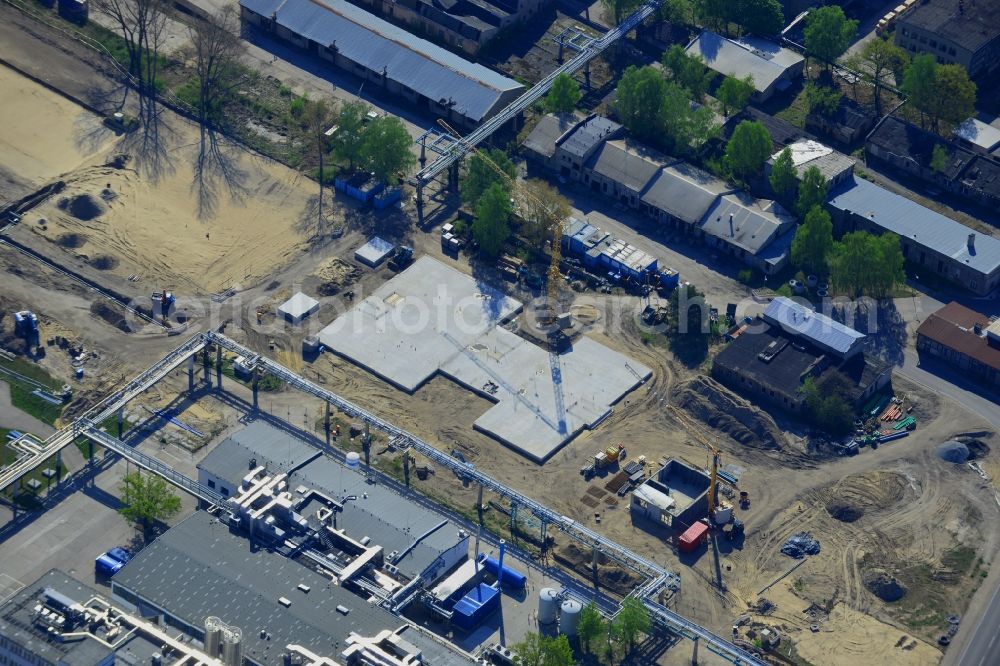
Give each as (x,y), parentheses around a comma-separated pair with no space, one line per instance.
(431,318)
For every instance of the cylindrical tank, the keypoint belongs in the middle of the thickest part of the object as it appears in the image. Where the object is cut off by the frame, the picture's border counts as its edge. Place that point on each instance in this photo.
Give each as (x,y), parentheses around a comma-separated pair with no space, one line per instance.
(548,600)
(232,647)
(569,616)
(353,460)
(723,513)
(213,633)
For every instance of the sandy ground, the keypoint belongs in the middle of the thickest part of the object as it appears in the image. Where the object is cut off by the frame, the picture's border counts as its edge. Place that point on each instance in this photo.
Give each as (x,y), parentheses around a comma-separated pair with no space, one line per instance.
(39,133)
(177,212)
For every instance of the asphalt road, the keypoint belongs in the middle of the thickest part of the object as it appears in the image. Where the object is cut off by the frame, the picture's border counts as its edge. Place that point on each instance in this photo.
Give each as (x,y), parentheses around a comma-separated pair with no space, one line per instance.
(983,648)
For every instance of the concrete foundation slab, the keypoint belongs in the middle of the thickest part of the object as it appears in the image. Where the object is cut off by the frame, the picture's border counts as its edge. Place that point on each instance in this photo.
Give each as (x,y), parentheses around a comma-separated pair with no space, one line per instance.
(431,318)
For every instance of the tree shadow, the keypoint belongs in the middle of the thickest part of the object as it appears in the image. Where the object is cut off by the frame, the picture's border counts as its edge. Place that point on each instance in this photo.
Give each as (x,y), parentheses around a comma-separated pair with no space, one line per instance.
(151,143)
(217,166)
(883,325)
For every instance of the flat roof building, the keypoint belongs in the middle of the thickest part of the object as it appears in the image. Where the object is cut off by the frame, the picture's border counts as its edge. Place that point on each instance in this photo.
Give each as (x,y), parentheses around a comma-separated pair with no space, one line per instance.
(773,67)
(427,76)
(964,32)
(930,241)
(201,569)
(965,339)
(298,307)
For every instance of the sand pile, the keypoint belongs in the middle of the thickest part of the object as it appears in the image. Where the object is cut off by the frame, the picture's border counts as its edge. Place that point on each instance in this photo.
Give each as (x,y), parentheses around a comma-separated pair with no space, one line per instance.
(953,452)
(884,585)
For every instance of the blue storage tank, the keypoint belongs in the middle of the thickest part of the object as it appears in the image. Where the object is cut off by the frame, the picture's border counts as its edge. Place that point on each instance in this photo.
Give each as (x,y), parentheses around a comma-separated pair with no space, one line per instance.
(511,577)
(475,606)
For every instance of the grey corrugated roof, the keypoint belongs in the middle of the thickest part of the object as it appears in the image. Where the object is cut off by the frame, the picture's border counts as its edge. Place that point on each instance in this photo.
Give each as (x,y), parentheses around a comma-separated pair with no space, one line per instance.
(587,134)
(763,60)
(756,222)
(684,191)
(629,164)
(276,450)
(797,319)
(379,46)
(543,138)
(199,568)
(916,223)
(808,153)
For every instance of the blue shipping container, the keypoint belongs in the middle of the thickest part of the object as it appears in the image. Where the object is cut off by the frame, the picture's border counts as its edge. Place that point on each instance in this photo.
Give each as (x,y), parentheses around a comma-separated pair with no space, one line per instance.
(511,577)
(476,606)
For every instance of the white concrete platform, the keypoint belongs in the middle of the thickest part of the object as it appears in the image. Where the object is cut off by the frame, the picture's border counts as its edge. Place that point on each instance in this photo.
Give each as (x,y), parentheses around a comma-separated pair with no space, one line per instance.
(298,307)
(374,252)
(431,318)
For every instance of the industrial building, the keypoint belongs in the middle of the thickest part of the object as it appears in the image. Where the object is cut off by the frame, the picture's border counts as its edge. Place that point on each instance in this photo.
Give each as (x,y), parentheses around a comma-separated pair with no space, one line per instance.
(758,232)
(424,76)
(930,241)
(58,621)
(963,32)
(298,307)
(676,496)
(835,166)
(465,25)
(604,254)
(968,172)
(965,339)
(202,569)
(432,319)
(376,515)
(773,68)
(791,343)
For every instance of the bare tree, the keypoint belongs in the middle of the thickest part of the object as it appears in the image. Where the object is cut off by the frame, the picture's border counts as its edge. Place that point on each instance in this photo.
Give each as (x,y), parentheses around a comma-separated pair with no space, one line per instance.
(316,120)
(217,50)
(141,24)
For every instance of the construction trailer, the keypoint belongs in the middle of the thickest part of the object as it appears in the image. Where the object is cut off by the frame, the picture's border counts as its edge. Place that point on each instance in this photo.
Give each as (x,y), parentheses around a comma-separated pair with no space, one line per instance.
(692,538)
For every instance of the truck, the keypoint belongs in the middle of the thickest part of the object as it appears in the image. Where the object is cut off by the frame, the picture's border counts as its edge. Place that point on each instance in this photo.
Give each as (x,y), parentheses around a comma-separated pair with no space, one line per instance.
(401,258)
(109,563)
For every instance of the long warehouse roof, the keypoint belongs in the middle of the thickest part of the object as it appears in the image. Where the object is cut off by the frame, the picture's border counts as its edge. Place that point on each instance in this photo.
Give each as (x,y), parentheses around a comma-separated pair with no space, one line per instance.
(379,46)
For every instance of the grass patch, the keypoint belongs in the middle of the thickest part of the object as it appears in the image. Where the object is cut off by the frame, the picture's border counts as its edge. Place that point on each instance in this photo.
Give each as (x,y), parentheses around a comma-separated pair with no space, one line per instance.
(30,370)
(22,398)
(796,112)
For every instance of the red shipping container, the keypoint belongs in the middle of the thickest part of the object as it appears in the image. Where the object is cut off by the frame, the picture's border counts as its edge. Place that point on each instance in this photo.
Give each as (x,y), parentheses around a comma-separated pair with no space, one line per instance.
(692,537)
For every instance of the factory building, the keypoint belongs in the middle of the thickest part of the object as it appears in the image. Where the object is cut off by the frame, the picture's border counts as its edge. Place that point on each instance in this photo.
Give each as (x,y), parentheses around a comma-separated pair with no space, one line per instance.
(773,67)
(424,77)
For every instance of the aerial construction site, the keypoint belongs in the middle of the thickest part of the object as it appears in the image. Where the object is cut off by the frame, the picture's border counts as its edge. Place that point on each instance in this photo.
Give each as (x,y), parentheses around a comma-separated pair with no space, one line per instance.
(255,413)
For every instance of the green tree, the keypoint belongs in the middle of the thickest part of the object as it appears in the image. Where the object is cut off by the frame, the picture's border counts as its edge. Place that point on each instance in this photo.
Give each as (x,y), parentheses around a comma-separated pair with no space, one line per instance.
(825,406)
(828,33)
(619,9)
(734,93)
(823,100)
(480,175)
(954,97)
(812,191)
(676,11)
(717,14)
(813,242)
(683,128)
(591,625)
(939,158)
(687,71)
(784,177)
(639,102)
(761,17)
(146,498)
(919,83)
(564,94)
(536,650)
(543,211)
(631,622)
(386,149)
(490,226)
(748,149)
(349,138)
(865,264)
(878,63)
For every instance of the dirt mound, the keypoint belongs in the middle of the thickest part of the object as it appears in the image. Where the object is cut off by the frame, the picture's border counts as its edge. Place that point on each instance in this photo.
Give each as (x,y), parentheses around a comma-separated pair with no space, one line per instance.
(712,403)
(111,315)
(71,241)
(977,447)
(871,491)
(104,262)
(844,512)
(953,452)
(83,206)
(884,585)
(609,574)
(335,274)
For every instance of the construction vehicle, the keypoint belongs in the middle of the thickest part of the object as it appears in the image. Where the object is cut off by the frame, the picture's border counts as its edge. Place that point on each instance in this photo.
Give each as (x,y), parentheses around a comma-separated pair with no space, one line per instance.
(401,258)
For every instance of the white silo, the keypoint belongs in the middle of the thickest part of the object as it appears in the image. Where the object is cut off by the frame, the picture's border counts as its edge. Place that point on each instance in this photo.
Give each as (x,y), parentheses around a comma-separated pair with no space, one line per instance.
(353,460)
(548,605)
(213,635)
(232,647)
(569,616)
